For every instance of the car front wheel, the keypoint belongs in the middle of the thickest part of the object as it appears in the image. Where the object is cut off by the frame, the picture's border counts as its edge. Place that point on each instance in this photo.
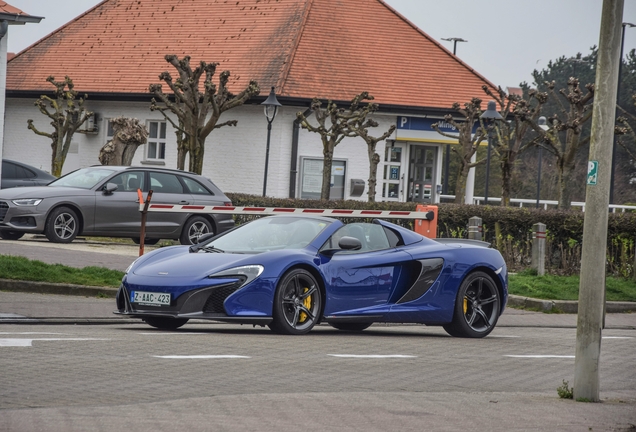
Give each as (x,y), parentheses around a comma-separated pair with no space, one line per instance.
(297,303)
(11,235)
(194,228)
(62,225)
(476,308)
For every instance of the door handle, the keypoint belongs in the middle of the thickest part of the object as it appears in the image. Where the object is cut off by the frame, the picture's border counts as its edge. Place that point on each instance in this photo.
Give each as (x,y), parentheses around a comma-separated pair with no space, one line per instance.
(184,202)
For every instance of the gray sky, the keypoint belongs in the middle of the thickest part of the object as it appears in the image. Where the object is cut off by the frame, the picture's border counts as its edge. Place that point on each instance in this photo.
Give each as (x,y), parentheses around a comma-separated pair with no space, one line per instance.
(507,39)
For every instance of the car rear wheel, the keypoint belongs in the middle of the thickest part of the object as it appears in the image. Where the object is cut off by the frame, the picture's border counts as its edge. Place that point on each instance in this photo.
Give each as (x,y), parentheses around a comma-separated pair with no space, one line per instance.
(11,235)
(297,303)
(62,225)
(476,308)
(352,327)
(194,228)
(165,323)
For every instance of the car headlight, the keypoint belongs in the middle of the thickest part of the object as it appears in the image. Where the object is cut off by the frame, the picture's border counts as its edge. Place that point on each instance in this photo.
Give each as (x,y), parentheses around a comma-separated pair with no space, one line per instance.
(246,273)
(131,266)
(27,201)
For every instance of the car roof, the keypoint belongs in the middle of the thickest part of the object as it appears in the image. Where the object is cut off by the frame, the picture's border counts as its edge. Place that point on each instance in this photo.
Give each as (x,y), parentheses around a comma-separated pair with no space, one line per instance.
(31,167)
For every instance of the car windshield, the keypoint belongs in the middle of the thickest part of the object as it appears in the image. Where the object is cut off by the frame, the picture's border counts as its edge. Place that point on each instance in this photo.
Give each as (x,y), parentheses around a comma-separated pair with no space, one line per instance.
(85,178)
(269,233)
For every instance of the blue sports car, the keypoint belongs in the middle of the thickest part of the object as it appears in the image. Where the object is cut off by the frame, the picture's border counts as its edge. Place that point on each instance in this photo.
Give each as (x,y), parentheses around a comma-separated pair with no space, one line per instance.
(293,272)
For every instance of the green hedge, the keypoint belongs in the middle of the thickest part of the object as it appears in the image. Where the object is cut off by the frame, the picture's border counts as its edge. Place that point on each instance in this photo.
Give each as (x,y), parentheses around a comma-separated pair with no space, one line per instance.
(564,229)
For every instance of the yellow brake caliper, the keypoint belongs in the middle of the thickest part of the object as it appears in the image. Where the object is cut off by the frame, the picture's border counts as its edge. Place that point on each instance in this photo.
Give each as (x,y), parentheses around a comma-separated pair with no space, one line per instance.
(307,303)
(465,305)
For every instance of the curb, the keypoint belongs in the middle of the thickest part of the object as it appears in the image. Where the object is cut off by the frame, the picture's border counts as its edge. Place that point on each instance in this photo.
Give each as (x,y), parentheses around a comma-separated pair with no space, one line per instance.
(565,306)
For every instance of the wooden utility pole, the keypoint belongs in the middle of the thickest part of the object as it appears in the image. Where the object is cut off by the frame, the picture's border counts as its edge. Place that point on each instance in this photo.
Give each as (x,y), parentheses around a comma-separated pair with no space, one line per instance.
(592,285)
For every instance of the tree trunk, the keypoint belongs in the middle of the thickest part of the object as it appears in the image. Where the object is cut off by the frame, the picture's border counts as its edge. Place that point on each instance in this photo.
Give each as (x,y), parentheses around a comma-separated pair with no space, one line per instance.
(326,171)
(196,154)
(565,176)
(506,180)
(182,151)
(374,160)
(460,185)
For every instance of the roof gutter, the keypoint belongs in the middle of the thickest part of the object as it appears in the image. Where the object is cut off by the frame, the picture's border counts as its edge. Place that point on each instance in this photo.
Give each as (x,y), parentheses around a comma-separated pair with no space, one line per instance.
(293,170)
(19,19)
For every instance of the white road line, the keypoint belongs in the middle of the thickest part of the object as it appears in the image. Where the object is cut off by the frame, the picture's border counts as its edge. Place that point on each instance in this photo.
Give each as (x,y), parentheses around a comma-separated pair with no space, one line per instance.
(502,336)
(203,357)
(30,333)
(374,356)
(617,337)
(171,333)
(29,342)
(539,356)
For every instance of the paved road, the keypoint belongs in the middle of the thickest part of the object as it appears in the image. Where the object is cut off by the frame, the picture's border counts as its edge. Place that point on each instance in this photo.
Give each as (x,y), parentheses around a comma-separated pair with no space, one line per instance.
(230,378)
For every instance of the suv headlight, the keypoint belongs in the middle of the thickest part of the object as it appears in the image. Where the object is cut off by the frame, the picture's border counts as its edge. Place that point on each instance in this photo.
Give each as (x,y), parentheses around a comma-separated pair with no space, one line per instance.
(27,201)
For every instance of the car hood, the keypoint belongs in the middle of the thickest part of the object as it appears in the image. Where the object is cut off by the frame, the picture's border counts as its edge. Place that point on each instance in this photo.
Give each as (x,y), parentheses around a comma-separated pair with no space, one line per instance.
(42,192)
(180,263)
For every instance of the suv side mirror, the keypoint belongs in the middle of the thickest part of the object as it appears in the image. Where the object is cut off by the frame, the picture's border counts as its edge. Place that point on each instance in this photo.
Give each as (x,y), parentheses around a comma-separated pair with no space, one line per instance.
(109,188)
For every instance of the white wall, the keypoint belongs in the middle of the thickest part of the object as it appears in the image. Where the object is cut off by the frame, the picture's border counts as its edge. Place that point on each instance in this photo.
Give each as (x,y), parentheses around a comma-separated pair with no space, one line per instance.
(234,156)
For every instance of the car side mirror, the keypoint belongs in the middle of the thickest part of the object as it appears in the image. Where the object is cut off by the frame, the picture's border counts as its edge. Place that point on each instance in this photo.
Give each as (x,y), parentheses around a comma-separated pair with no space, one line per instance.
(205,237)
(345,243)
(109,188)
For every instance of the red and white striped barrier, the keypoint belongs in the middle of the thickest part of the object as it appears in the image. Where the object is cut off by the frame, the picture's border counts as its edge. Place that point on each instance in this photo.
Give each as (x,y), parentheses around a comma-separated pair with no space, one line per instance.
(390,214)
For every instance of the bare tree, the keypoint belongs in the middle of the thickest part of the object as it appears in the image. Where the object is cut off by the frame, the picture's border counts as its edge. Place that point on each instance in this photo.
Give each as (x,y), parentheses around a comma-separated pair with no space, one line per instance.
(197,109)
(334,125)
(569,120)
(469,142)
(362,130)
(626,125)
(67,114)
(511,137)
(128,135)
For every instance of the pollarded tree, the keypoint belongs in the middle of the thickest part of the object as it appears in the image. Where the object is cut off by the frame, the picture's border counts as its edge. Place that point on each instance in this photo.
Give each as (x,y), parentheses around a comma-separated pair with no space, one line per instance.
(197,106)
(511,136)
(128,135)
(468,141)
(564,138)
(67,114)
(334,125)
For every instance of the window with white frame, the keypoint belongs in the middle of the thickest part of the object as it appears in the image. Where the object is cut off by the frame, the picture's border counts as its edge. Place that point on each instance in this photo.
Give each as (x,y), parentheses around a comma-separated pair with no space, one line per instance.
(156,146)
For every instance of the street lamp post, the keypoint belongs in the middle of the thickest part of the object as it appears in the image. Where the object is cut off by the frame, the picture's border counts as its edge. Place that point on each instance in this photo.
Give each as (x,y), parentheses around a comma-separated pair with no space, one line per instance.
(618,101)
(271,108)
(448,146)
(543,125)
(491,114)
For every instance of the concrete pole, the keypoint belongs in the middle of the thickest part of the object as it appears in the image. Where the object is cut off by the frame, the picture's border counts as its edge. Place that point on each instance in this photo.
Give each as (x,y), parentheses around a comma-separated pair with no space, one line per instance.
(591,292)
(475,228)
(470,183)
(3,87)
(538,248)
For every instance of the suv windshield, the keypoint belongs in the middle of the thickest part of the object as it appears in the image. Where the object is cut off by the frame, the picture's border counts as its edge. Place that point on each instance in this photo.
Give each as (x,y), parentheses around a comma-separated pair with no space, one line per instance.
(270,233)
(85,178)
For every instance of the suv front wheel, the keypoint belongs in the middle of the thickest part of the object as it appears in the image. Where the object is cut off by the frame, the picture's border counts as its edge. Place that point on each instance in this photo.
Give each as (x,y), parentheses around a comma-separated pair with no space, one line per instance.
(194,228)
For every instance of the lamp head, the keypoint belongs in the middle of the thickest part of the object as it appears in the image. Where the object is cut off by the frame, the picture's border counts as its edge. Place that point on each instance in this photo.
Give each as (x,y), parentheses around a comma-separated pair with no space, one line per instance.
(491,112)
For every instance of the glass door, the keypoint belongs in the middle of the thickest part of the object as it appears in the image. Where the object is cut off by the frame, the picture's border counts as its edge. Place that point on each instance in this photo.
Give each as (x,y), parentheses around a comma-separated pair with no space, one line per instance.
(422,168)
(393,175)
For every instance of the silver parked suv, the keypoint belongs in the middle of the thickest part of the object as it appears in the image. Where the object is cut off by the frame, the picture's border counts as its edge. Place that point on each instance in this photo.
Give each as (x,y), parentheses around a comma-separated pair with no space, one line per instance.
(103,201)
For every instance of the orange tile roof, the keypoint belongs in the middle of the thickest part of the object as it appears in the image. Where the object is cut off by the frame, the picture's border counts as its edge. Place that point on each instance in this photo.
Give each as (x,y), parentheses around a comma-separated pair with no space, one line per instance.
(306,48)
(7,8)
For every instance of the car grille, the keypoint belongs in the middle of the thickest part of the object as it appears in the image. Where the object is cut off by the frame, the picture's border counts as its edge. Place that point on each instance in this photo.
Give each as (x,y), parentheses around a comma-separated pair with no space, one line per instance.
(214,304)
(4,207)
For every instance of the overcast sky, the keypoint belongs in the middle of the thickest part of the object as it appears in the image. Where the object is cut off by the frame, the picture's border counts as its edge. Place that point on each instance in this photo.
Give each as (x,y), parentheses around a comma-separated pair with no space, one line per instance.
(507,39)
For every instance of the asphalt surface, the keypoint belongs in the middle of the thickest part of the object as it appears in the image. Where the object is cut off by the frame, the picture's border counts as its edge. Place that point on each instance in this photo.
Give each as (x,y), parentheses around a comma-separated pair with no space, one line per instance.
(63,369)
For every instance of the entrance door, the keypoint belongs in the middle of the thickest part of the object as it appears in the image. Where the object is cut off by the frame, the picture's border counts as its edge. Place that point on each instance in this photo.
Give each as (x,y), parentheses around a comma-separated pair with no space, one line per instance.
(393,174)
(422,168)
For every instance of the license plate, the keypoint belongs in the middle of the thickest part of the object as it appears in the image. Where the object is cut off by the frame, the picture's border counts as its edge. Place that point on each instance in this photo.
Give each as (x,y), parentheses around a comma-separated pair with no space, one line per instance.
(142,297)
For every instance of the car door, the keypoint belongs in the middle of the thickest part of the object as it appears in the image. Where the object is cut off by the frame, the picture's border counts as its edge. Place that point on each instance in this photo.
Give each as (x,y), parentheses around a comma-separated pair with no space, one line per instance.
(167,188)
(117,213)
(361,281)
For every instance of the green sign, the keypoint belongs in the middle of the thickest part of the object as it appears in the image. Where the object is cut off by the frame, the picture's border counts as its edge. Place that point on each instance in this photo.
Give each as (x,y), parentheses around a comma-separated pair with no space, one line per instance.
(592,173)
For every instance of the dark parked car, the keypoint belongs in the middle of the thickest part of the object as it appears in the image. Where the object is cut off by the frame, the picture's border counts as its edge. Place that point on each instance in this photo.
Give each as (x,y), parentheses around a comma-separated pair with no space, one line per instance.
(103,201)
(18,174)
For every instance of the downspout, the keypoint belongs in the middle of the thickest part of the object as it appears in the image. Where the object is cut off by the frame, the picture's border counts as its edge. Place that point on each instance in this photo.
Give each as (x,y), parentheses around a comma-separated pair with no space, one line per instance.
(4,27)
(294,155)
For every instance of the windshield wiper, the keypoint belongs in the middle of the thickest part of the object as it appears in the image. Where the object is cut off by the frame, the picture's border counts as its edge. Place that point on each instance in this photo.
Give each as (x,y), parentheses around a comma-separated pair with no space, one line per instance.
(212,249)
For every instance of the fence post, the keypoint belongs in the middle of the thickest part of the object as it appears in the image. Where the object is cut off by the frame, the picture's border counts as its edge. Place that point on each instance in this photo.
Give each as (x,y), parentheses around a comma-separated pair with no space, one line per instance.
(538,248)
(474,228)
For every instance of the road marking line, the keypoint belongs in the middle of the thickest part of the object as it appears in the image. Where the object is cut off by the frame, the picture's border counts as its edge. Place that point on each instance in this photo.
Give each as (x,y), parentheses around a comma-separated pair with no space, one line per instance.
(502,336)
(29,342)
(172,333)
(371,356)
(617,337)
(539,356)
(29,333)
(203,357)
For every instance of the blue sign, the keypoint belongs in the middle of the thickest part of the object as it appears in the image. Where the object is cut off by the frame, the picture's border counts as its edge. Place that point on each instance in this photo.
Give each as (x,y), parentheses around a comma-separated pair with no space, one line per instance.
(424,124)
